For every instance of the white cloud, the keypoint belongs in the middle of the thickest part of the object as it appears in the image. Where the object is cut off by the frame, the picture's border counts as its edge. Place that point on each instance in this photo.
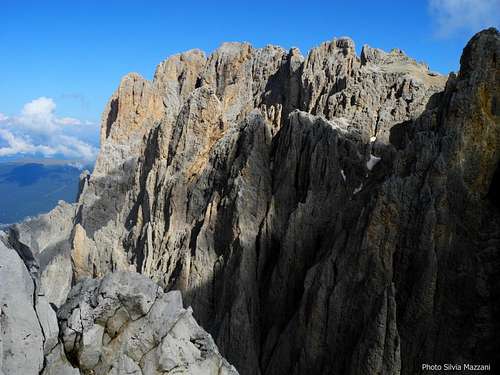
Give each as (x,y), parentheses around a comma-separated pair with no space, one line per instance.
(38,115)
(43,107)
(18,145)
(67,146)
(73,147)
(37,130)
(68,121)
(453,16)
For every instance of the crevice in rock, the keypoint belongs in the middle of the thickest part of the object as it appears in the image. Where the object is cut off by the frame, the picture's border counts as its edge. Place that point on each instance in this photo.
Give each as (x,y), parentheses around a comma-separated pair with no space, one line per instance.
(112,115)
(494,190)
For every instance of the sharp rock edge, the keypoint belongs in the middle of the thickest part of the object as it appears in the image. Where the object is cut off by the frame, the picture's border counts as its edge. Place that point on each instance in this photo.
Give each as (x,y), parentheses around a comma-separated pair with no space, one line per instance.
(322,214)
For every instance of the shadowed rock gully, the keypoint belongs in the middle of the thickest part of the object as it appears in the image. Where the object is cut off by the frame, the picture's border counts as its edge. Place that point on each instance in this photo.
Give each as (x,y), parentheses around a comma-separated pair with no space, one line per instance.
(328,214)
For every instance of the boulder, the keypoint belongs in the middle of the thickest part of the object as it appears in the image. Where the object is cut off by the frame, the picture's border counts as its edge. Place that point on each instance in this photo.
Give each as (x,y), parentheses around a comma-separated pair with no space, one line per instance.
(126,324)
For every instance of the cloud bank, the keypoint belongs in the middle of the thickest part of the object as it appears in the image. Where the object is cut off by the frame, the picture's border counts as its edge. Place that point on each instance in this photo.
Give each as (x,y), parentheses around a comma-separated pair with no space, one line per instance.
(38,131)
(452,16)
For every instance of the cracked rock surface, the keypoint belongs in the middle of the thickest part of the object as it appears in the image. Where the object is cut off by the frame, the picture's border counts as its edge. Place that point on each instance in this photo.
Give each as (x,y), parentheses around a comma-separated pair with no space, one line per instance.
(43,244)
(327,214)
(21,337)
(121,324)
(28,324)
(125,324)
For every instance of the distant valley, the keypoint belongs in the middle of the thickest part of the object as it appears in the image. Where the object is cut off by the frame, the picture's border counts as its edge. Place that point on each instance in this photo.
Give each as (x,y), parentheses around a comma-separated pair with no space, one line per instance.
(31,187)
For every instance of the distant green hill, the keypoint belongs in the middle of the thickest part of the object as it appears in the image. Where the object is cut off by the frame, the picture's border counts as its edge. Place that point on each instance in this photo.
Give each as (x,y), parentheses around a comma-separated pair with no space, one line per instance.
(34,187)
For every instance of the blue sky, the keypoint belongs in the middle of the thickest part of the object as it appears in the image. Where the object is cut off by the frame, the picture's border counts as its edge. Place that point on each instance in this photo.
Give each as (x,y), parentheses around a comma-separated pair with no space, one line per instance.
(64,59)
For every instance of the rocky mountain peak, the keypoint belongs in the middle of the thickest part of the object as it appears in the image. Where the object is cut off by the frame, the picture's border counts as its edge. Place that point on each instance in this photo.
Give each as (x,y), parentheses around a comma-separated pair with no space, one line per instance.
(327,214)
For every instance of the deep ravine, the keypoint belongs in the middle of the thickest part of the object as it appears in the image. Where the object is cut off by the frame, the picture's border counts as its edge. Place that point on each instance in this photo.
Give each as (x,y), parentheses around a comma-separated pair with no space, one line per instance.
(328,214)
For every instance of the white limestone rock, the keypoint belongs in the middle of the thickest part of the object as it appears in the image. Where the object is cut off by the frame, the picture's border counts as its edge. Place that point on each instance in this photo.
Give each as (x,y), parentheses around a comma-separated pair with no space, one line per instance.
(125,324)
(20,332)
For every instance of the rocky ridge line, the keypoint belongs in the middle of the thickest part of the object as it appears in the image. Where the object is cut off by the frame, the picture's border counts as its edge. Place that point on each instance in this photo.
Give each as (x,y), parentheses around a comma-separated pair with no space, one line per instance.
(121,324)
(327,214)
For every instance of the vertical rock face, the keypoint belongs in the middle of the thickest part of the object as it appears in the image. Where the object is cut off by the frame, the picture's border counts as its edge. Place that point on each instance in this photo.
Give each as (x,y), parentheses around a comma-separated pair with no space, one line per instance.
(44,245)
(21,337)
(328,214)
(28,325)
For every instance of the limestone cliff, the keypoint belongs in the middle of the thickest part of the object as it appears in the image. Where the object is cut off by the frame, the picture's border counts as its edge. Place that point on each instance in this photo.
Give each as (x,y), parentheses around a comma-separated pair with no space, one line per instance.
(121,324)
(322,214)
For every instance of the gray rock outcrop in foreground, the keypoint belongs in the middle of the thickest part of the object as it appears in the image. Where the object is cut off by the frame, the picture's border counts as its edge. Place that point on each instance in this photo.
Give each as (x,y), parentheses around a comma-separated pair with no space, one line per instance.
(121,324)
(125,324)
(28,325)
(328,214)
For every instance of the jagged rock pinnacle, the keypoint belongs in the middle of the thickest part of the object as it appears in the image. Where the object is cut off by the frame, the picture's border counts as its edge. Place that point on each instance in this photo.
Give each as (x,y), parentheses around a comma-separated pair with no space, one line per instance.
(322,214)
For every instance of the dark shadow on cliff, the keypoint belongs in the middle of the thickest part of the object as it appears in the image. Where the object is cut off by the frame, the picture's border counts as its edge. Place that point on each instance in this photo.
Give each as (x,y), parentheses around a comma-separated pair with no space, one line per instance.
(341,239)
(394,268)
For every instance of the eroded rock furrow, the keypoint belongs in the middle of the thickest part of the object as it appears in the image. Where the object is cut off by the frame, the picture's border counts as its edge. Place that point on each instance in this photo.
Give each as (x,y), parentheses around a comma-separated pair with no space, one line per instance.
(323,214)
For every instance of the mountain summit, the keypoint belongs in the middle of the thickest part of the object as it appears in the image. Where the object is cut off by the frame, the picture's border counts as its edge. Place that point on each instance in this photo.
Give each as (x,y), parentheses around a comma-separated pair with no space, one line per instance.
(328,214)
